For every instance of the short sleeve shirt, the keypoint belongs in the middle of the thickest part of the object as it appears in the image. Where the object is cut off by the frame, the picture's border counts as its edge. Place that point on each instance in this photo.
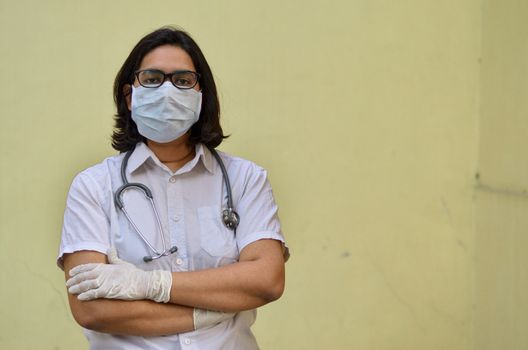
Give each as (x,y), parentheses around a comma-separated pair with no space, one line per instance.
(189,203)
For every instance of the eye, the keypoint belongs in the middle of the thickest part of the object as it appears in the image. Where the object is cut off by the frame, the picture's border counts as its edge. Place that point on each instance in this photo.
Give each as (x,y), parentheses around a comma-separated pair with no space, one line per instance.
(184,79)
(182,82)
(151,78)
(151,81)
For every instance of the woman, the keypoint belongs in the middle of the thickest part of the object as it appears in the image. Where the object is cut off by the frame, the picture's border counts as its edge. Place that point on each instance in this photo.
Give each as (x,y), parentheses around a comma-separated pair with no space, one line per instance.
(148,273)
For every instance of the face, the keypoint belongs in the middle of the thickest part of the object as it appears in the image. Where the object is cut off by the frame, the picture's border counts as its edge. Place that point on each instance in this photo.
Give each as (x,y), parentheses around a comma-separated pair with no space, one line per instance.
(167,58)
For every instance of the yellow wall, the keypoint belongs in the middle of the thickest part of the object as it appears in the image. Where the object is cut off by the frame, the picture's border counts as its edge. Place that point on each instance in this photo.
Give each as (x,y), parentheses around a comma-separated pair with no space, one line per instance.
(501,316)
(365,113)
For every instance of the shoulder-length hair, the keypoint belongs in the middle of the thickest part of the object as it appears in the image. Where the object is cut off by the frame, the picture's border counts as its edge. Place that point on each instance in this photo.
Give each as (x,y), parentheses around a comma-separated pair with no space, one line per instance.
(206,130)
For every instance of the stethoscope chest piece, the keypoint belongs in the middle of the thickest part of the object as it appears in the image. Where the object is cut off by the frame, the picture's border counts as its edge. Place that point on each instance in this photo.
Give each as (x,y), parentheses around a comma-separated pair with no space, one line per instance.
(230,218)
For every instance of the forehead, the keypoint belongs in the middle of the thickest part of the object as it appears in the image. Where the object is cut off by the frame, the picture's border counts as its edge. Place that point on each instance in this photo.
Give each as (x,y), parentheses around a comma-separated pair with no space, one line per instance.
(167,58)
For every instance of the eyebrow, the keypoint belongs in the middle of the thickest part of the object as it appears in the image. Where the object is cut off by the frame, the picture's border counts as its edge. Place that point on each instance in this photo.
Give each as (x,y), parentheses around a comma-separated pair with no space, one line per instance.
(172,71)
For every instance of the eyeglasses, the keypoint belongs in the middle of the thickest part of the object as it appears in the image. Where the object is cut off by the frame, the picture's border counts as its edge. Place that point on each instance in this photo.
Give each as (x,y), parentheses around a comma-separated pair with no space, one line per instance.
(153,78)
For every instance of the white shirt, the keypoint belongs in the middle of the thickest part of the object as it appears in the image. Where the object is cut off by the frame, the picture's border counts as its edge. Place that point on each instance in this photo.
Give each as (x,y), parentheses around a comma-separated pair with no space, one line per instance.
(189,203)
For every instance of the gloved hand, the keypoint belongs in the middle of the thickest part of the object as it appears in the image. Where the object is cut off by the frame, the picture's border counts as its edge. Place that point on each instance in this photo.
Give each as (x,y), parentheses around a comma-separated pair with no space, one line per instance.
(205,318)
(119,280)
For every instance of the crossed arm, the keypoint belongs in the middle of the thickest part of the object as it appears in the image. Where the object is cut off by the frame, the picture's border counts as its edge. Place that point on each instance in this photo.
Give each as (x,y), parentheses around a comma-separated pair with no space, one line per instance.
(257,279)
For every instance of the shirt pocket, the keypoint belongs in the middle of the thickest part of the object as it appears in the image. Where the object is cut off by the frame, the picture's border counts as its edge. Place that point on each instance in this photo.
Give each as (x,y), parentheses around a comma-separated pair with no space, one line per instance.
(215,238)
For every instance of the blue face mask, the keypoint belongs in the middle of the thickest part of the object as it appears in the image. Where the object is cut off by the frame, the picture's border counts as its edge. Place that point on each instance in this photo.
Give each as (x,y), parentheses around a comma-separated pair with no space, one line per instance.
(165,113)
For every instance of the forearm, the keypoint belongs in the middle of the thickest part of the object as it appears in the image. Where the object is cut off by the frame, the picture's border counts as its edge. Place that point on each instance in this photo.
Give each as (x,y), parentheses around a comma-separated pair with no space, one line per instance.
(254,281)
(139,318)
(226,289)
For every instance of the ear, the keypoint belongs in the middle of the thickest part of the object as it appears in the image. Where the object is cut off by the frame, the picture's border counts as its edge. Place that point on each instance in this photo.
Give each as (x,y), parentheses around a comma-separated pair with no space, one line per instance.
(127,92)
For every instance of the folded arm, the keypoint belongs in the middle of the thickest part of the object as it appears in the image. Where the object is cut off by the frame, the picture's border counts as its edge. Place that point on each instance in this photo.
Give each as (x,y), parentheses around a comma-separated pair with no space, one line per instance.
(257,279)
(121,317)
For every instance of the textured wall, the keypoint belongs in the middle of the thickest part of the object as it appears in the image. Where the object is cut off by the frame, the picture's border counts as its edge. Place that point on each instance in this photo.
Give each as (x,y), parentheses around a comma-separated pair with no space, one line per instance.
(364,112)
(501,315)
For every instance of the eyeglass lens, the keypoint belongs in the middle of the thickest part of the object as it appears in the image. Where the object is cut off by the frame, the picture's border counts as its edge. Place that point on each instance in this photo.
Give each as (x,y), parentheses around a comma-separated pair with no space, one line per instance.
(155,78)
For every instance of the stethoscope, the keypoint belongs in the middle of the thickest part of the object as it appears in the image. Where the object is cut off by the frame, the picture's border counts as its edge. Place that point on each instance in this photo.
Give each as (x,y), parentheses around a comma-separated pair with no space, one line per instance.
(229,216)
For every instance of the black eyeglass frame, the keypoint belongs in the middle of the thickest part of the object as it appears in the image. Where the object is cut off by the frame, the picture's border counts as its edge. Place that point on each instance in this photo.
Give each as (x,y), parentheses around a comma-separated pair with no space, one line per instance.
(167,76)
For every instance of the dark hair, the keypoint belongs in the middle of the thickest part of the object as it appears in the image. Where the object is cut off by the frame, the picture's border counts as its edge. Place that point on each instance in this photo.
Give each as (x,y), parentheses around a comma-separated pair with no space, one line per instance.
(206,130)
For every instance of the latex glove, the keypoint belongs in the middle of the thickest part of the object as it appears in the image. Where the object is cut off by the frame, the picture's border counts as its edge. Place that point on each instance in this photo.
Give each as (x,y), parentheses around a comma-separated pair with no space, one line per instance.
(119,280)
(206,318)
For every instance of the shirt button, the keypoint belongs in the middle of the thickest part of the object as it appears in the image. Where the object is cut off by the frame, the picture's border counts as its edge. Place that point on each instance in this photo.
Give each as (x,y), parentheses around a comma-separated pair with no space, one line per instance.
(179,261)
(176,218)
(172,179)
(187,341)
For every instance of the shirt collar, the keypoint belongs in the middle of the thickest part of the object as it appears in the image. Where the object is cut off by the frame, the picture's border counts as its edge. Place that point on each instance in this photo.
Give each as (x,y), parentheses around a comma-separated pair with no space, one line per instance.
(206,157)
(138,157)
(142,153)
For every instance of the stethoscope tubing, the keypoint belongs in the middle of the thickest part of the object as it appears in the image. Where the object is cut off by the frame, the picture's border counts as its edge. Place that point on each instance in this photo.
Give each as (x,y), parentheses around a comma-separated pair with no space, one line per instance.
(229,215)
(226,178)
(148,195)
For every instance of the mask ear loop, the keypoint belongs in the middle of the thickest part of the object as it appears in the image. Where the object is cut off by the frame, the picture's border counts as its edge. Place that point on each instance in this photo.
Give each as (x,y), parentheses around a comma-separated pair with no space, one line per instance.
(230,217)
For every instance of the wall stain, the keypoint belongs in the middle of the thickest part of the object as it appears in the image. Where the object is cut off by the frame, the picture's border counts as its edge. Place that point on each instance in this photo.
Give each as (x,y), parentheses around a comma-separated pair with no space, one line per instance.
(519,193)
(46,280)
(459,242)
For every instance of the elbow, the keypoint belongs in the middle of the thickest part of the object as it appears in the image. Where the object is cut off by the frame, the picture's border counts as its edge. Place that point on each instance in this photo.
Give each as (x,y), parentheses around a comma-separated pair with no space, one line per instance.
(88,317)
(276,292)
(85,320)
(273,290)
(273,284)
(88,321)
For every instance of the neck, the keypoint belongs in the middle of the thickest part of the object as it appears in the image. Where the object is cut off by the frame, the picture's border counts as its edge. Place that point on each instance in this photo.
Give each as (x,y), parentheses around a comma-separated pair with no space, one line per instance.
(173,154)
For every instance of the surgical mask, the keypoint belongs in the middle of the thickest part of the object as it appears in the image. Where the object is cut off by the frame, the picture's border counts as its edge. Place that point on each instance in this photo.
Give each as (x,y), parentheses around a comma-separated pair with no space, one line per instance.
(165,113)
